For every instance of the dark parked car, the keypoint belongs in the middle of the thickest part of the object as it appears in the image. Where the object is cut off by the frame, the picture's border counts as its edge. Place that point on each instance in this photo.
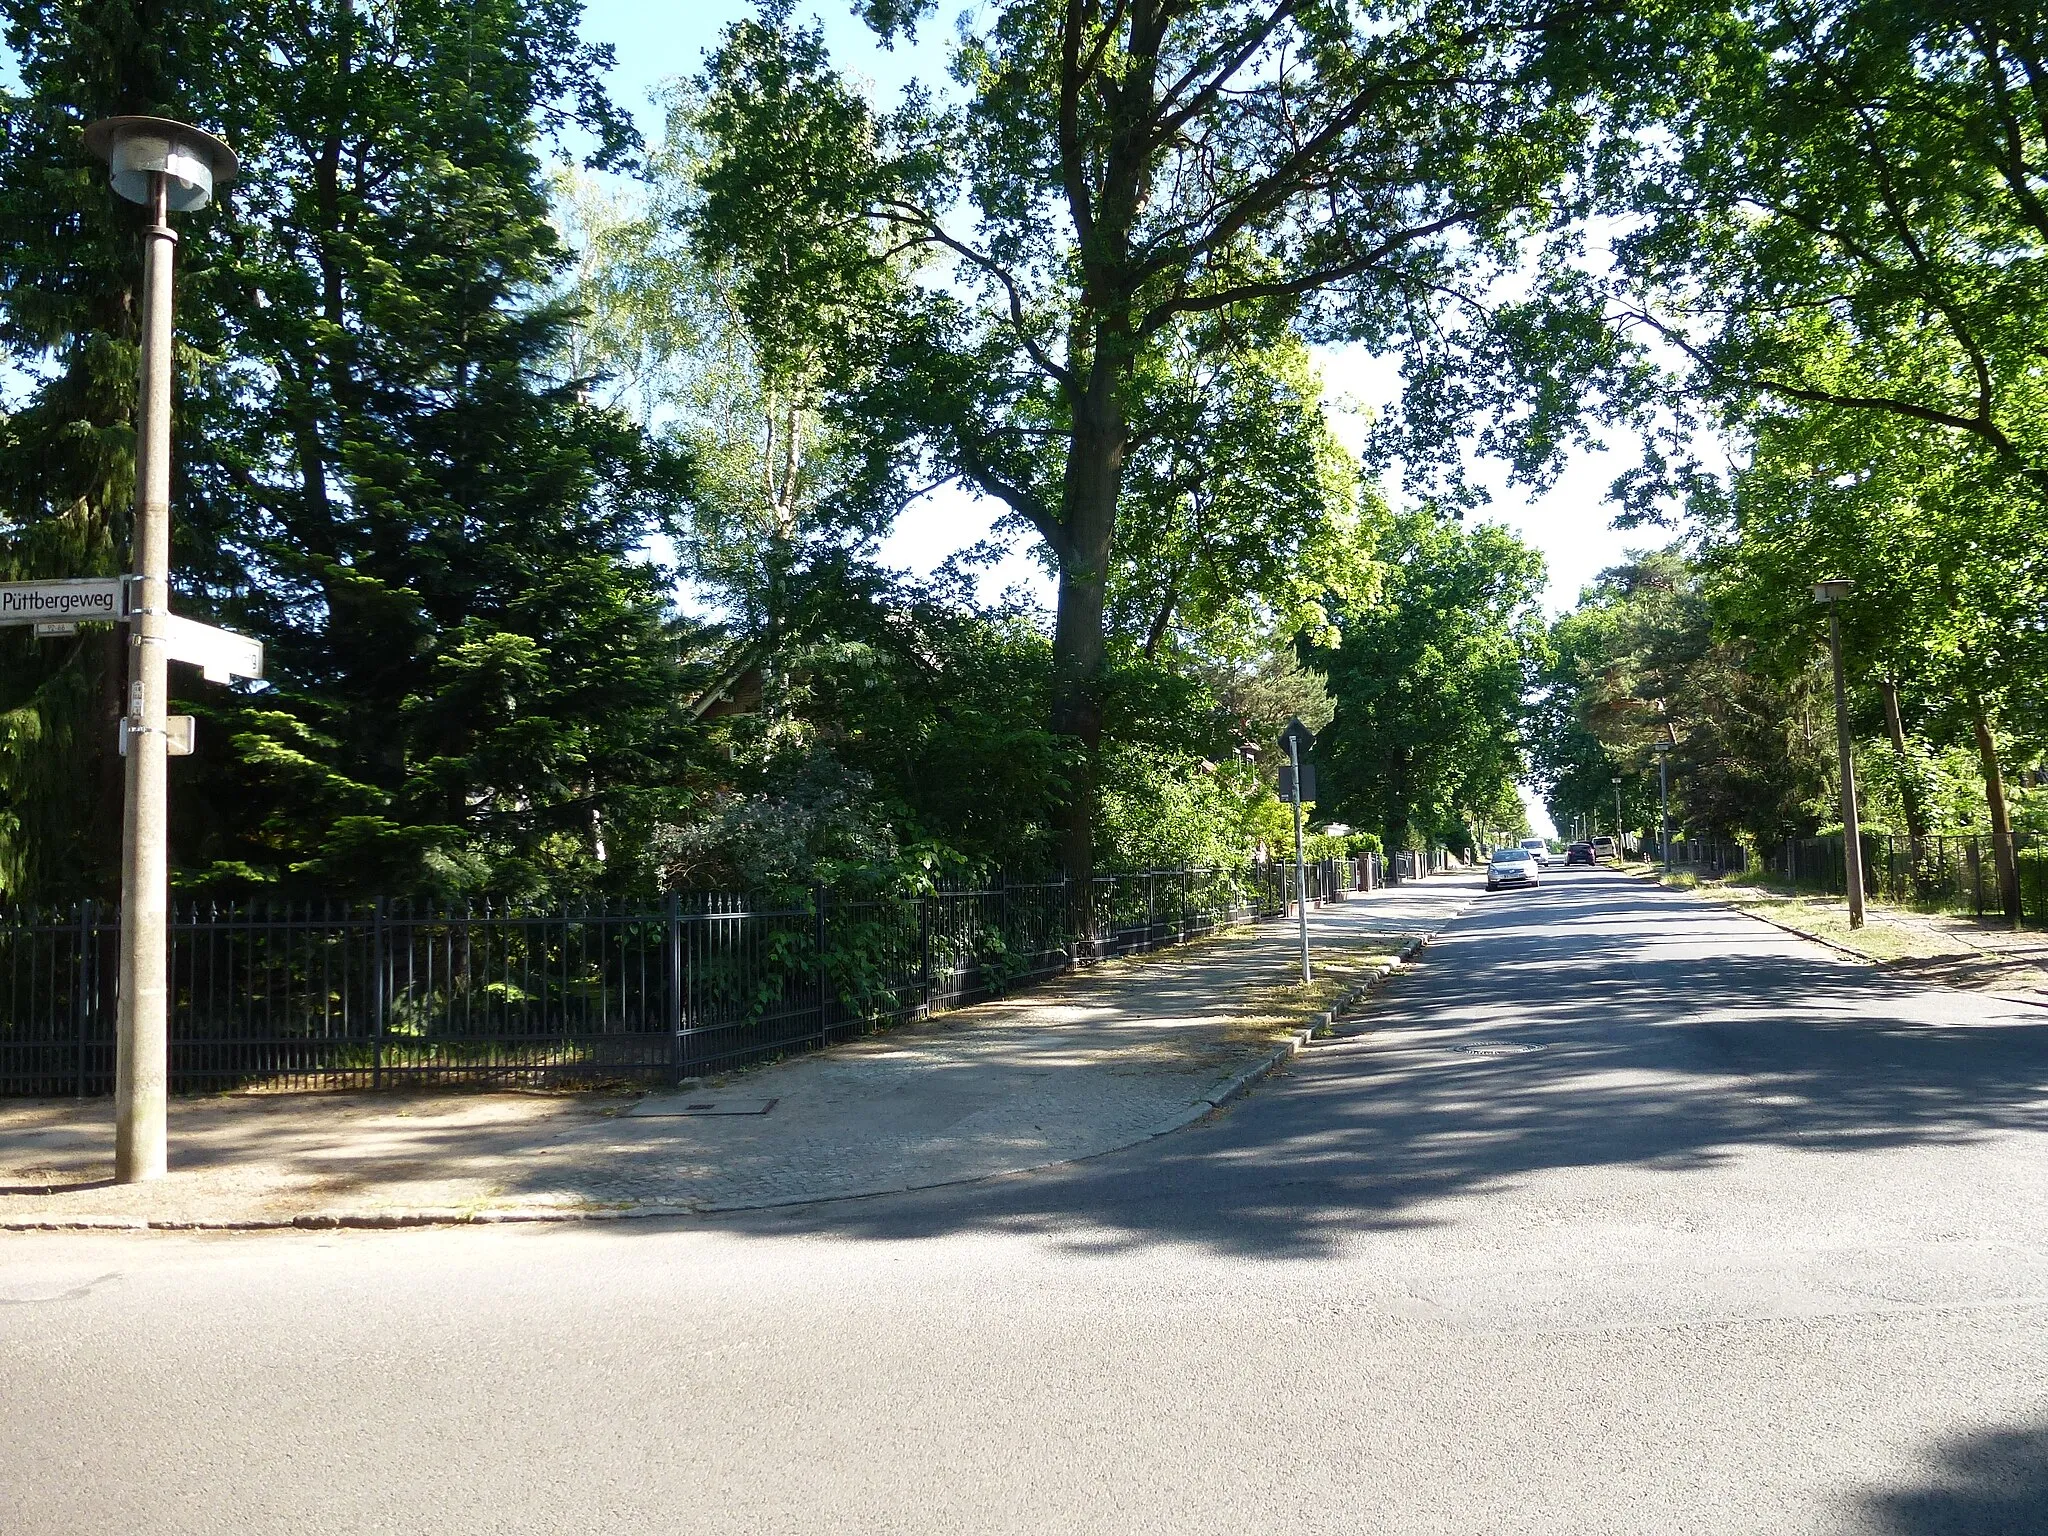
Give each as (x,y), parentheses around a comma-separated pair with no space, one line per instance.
(1579,853)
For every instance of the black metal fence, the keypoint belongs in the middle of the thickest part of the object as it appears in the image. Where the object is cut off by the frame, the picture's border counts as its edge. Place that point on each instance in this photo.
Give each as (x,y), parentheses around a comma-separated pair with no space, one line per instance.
(372,996)
(1704,855)
(1936,874)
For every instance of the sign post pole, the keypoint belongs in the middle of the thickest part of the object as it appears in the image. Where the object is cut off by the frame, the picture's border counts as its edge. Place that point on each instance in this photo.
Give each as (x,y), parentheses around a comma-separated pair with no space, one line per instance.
(1832,594)
(1292,738)
(162,165)
(1300,862)
(142,1044)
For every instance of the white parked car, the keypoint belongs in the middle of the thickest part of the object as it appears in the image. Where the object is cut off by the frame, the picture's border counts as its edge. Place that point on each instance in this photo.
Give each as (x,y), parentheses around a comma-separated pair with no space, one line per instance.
(1511,866)
(1539,850)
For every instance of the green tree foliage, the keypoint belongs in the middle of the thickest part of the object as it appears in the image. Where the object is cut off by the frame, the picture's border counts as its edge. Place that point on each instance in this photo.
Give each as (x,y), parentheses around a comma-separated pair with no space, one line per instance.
(1246,517)
(1429,682)
(1240,505)
(1841,207)
(472,680)
(69,269)
(1838,232)
(1002,281)
(1942,639)
(1640,660)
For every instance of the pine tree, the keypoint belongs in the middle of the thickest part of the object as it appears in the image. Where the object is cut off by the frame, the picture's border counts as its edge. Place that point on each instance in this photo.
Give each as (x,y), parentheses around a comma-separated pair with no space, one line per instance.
(69,267)
(473,681)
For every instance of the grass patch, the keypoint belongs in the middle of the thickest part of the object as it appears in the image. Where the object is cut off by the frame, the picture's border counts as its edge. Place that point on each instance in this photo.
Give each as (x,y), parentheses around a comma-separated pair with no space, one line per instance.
(1827,917)
(1275,1011)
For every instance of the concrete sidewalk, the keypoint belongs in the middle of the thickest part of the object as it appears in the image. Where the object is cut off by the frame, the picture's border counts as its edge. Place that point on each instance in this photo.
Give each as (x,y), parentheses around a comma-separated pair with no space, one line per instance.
(1072,1069)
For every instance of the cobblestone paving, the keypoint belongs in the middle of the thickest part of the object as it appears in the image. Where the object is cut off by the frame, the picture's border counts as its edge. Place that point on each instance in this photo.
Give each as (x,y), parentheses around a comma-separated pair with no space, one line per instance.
(1080,1066)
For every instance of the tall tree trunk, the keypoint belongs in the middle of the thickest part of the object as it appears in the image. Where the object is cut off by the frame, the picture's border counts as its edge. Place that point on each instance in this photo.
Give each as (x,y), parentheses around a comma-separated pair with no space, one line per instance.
(2001,814)
(1909,783)
(1095,471)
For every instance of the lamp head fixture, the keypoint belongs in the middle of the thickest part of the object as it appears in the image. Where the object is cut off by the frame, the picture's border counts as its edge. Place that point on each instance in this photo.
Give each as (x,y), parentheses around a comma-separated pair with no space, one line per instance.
(1832,591)
(192,161)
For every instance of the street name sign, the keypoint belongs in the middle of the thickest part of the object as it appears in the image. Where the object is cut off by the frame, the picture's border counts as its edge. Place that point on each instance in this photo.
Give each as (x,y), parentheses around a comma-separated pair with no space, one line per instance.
(218,653)
(61,602)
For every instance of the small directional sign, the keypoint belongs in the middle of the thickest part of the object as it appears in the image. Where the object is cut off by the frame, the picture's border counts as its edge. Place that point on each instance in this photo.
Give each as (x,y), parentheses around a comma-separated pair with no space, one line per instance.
(218,653)
(180,732)
(60,602)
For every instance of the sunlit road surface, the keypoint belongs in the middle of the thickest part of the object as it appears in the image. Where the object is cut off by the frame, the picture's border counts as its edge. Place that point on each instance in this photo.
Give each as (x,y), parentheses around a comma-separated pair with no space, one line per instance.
(1631,1214)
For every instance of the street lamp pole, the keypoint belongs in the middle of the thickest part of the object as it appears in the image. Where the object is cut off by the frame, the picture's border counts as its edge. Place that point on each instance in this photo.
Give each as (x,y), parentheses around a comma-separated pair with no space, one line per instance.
(1618,849)
(1664,802)
(1832,593)
(165,166)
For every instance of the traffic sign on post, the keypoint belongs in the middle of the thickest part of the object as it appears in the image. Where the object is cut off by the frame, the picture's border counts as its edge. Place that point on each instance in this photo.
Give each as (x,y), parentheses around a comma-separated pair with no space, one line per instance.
(1295,742)
(1306,778)
(61,602)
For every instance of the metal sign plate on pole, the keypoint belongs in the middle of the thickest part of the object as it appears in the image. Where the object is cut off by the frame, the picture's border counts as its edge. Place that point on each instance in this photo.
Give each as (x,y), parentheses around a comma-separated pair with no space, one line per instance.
(61,602)
(218,653)
(180,733)
(1308,782)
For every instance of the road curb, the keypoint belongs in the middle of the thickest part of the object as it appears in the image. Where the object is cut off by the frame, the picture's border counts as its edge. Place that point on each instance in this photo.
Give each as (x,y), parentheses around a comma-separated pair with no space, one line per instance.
(1811,938)
(1225,1092)
(1330,1033)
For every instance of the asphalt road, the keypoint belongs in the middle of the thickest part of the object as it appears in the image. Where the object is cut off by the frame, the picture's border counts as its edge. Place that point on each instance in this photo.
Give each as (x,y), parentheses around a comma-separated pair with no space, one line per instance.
(1631,1214)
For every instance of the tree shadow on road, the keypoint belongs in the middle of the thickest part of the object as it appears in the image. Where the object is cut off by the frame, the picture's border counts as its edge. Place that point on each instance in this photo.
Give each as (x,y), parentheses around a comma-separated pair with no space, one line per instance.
(1990,1481)
(1657,1043)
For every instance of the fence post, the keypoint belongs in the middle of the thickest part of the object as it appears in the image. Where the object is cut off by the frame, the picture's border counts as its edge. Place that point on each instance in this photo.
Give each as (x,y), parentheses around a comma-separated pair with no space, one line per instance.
(377,1000)
(824,1018)
(679,1005)
(81,999)
(924,949)
(1151,916)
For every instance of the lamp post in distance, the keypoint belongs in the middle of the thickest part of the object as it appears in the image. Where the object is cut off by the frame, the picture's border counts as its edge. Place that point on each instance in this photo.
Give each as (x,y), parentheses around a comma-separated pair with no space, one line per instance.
(1663,751)
(167,167)
(1618,849)
(1831,594)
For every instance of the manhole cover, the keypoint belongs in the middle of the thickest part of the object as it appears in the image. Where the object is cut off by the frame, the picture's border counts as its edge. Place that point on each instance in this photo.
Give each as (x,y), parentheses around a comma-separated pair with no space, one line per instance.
(1503,1049)
(696,1104)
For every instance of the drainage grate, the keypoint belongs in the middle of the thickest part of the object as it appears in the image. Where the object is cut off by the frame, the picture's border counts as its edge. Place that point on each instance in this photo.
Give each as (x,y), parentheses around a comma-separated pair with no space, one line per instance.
(691,1104)
(1504,1048)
